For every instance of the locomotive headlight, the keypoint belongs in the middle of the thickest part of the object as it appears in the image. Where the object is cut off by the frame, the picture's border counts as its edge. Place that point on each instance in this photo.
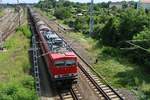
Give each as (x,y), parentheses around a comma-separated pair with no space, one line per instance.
(75,74)
(69,74)
(60,75)
(55,76)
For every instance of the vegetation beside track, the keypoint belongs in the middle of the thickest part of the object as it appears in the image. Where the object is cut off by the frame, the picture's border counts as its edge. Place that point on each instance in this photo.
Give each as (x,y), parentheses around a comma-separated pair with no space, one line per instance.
(116,69)
(15,81)
(1,13)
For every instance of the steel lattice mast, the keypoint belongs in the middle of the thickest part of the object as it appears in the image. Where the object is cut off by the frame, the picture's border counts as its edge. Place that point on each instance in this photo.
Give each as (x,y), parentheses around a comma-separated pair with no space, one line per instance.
(1,38)
(1,3)
(138,4)
(18,9)
(91,18)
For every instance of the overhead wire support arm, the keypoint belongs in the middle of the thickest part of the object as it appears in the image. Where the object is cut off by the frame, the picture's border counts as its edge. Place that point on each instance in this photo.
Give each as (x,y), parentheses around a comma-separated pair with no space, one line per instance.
(144,40)
(138,46)
(132,42)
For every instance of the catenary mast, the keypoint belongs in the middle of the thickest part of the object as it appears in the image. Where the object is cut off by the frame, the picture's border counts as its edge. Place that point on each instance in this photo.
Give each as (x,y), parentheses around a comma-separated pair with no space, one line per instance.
(91,18)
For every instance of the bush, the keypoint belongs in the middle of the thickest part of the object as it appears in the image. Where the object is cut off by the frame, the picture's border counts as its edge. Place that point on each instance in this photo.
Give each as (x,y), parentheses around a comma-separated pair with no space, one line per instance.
(69,22)
(25,30)
(13,91)
(113,52)
(28,82)
(62,13)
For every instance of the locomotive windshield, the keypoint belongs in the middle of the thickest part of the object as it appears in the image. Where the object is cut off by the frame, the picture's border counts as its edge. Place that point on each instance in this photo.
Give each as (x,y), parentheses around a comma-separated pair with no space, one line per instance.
(60,63)
(66,63)
(70,62)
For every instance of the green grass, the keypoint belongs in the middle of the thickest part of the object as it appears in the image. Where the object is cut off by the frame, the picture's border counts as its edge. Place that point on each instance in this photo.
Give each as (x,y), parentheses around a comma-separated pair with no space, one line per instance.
(15,81)
(1,13)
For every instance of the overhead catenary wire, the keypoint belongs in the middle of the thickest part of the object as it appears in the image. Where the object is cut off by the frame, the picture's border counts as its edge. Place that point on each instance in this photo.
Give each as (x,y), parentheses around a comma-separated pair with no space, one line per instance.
(144,40)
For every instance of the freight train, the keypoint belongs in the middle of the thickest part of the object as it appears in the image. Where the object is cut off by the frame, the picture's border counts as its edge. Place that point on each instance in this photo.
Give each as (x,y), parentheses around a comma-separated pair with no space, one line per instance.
(61,61)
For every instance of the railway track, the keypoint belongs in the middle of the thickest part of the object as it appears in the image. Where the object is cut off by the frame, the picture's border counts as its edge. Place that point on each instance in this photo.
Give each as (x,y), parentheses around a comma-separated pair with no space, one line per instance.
(99,85)
(11,25)
(71,93)
(101,88)
(9,30)
(68,94)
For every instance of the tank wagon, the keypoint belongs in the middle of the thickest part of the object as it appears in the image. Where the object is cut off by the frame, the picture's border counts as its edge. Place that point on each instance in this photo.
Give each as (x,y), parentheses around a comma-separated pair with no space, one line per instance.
(60,59)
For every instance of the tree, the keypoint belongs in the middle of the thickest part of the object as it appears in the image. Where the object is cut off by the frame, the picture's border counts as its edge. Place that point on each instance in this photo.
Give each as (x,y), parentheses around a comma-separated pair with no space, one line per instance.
(145,34)
(47,4)
(110,34)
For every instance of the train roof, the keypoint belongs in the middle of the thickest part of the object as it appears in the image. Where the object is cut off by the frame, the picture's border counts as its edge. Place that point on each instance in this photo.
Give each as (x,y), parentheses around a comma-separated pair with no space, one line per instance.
(36,19)
(58,48)
(40,23)
(55,43)
(44,28)
(58,56)
(34,14)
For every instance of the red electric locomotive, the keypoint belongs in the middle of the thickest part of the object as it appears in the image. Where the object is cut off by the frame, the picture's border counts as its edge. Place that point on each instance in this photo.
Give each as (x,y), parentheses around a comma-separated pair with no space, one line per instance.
(60,59)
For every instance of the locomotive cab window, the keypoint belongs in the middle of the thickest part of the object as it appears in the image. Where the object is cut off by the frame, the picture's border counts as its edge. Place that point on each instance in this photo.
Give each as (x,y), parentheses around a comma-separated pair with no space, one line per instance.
(65,63)
(60,63)
(70,62)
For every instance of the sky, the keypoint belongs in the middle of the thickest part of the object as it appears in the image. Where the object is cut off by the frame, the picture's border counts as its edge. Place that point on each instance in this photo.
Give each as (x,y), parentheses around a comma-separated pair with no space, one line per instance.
(35,1)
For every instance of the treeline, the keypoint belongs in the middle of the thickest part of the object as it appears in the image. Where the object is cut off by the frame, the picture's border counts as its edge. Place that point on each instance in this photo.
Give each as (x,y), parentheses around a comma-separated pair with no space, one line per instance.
(112,26)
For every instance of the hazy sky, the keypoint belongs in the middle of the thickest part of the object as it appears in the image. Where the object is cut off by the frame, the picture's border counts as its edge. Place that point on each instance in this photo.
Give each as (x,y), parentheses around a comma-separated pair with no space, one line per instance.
(31,1)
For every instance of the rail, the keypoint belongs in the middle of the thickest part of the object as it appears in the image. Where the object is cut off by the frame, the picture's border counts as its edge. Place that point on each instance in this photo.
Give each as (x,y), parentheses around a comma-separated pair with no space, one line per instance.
(69,95)
(90,66)
(35,59)
(89,76)
(92,80)
(75,97)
